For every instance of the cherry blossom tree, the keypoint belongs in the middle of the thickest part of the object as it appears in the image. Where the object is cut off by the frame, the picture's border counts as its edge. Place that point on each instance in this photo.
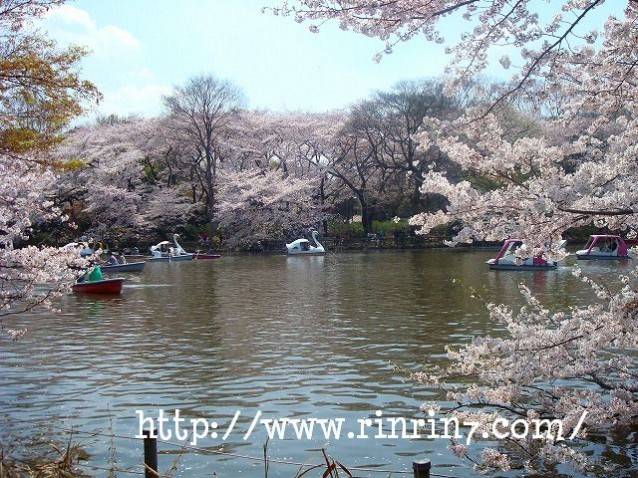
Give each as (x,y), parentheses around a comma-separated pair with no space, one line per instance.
(316,152)
(105,175)
(389,122)
(131,176)
(546,45)
(30,276)
(353,164)
(201,112)
(40,92)
(163,209)
(575,367)
(297,144)
(258,205)
(121,180)
(579,168)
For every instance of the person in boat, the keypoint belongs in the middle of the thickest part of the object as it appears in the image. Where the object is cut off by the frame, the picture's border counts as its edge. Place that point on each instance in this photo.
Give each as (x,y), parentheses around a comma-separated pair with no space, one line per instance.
(538,256)
(112,260)
(609,246)
(86,250)
(96,274)
(204,239)
(92,275)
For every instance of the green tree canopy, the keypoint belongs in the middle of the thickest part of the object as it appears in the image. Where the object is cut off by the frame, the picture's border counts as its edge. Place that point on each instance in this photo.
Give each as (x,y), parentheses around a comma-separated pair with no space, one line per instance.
(40,86)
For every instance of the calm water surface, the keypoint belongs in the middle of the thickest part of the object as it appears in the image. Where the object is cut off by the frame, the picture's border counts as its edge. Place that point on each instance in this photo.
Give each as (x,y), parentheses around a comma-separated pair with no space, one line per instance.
(284,336)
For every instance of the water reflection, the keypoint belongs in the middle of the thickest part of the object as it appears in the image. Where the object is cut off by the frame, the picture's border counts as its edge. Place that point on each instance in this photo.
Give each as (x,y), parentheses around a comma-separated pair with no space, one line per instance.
(311,336)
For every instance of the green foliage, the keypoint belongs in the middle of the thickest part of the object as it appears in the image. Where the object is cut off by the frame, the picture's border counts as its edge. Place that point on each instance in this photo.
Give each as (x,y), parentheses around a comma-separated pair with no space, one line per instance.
(390,227)
(21,139)
(151,171)
(72,164)
(196,231)
(355,229)
(581,234)
(40,91)
(339,229)
(483,183)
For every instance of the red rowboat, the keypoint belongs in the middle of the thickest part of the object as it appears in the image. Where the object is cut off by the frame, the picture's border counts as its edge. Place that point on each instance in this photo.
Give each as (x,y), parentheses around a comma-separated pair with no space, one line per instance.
(203,255)
(104,286)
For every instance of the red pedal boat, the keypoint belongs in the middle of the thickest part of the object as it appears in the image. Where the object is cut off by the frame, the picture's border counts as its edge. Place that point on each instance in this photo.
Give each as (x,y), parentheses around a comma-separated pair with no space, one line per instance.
(206,255)
(104,286)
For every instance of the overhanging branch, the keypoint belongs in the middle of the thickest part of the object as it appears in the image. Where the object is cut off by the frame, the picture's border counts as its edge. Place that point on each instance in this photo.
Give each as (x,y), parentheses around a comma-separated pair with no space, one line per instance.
(599,212)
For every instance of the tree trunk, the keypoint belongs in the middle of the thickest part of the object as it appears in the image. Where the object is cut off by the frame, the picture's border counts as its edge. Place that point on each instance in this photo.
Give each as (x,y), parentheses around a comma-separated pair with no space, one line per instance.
(366,216)
(323,202)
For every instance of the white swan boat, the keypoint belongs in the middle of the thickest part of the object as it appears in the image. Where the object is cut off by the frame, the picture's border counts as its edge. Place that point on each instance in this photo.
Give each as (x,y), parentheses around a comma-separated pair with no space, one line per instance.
(303,246)
(512,258)
(604,247)
(166,251)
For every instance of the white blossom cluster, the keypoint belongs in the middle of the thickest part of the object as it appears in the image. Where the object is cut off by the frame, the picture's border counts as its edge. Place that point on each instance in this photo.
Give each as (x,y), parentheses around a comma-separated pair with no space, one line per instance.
(29,276)
(261,205)
(578,168)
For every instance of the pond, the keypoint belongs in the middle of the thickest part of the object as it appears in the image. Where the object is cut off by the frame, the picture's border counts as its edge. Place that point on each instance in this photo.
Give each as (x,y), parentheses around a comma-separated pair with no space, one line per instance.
(270,337)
